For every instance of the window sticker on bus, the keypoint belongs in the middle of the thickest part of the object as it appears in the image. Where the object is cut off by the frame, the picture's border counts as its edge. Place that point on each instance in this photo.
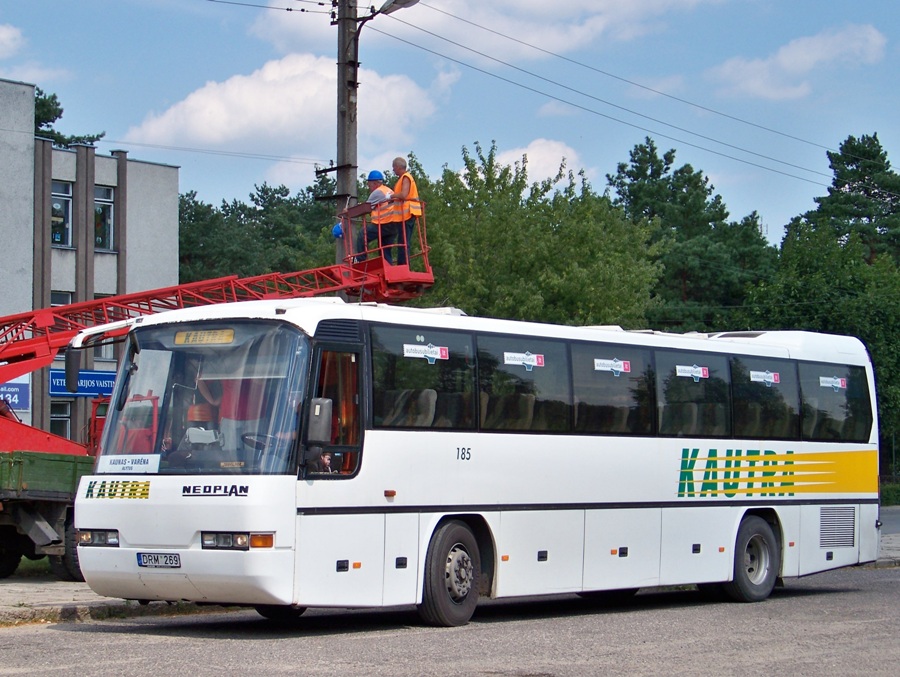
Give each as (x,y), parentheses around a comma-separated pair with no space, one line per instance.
(615,365)
(206,337)
(692,371)
(431,352)
(526,359)
(767,377)
(833,382)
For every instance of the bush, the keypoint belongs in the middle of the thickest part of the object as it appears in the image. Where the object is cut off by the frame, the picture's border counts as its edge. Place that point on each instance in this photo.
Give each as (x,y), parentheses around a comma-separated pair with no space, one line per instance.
(890,494)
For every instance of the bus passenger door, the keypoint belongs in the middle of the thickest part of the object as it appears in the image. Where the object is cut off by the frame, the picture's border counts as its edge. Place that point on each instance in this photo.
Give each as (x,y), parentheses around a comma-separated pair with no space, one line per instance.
(338,379)
(340,549)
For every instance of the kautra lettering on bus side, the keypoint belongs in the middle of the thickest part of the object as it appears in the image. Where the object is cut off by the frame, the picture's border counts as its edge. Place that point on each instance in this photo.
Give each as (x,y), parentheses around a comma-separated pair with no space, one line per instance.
(752,472)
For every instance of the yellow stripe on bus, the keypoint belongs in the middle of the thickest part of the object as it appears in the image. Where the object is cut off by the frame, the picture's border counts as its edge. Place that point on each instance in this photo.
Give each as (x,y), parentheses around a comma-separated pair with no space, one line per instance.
(737,473)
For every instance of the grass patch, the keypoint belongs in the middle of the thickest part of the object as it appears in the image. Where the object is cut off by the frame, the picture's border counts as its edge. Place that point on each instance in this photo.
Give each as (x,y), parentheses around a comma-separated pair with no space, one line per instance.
(28,568)
(890,494)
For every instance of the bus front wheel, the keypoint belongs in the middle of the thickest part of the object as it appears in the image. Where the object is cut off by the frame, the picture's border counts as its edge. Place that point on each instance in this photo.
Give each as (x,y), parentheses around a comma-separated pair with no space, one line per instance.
(277,612)
(452,569)
(757,558)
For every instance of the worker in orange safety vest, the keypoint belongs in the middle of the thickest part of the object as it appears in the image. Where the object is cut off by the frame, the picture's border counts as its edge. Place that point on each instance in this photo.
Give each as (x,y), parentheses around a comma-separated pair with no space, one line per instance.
(406,195)
(385,217)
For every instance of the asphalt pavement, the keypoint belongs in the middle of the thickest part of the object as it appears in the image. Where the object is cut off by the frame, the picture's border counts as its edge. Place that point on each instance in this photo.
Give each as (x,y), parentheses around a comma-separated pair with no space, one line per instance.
(43,599)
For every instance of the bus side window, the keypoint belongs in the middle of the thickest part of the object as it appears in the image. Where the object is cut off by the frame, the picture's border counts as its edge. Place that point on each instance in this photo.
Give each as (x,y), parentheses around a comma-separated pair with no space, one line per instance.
(766,398)
(422,378)
(836,402)
(693,391)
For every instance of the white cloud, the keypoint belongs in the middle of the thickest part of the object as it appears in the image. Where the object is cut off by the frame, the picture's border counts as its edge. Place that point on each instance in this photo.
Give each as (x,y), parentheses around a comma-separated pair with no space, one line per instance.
(554,26)
(544,157)
(33,73)
(288,107)
(443,83)
(11,40)
(11,43)
(554,108)
(785,74)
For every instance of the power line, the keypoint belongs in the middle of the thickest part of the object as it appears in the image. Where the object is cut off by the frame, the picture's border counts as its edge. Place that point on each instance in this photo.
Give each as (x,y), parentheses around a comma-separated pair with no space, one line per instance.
(596,112)
(211,151)
(611,104)
(701,107)
(671,138)
(590,96)
(282,9)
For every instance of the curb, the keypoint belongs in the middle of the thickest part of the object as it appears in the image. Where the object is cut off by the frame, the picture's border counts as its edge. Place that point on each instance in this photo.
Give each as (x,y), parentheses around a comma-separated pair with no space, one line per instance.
(94,611)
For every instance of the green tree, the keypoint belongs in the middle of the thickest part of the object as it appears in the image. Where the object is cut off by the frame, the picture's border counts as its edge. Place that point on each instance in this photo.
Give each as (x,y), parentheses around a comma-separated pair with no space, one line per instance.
(709,262)
(47,110)
(838,269)
(211,246)
(505,248)
(864,197)
(824,283)
(274,232)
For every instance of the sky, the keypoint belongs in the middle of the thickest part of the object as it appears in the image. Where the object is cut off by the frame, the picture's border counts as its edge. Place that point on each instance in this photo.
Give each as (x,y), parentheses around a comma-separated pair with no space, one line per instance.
(753,93)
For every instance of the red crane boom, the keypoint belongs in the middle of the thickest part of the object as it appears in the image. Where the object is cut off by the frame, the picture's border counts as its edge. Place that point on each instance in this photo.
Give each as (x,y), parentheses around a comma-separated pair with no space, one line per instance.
(31,340)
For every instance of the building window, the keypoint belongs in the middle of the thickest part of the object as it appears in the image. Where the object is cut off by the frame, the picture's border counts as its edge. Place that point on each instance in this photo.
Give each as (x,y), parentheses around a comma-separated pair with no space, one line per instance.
(61,418)
(60,298)
(61,214)
(103,218)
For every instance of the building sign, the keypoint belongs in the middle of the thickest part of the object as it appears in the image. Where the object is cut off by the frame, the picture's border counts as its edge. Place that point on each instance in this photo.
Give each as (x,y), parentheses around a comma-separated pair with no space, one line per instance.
(90,383)
(17,393)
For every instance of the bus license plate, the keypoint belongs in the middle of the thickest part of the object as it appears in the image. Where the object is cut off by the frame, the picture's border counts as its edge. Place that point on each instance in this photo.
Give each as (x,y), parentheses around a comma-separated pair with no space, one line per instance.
(158,560)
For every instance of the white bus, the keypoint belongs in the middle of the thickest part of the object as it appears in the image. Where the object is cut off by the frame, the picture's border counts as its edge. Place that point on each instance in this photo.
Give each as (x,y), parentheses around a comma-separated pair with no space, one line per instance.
(311,453)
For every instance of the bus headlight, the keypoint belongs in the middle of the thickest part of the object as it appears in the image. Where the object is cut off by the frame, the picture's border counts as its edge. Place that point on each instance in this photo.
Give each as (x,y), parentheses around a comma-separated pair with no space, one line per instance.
(225,540)
(98,537)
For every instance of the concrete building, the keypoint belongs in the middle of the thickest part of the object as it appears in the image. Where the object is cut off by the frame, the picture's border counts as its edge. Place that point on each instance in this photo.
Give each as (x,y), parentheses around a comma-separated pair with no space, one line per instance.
(75,225)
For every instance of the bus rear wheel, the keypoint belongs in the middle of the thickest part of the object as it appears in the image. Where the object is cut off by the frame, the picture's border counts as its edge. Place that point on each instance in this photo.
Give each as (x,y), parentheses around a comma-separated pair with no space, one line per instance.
(757,559)
(452,570)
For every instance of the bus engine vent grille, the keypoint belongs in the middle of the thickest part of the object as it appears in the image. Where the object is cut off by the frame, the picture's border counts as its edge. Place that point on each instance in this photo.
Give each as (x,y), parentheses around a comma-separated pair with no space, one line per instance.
(338,330)
(837,527)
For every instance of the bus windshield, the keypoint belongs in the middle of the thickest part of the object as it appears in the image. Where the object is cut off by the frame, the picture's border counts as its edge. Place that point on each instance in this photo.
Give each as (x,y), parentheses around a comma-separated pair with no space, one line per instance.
(210,398)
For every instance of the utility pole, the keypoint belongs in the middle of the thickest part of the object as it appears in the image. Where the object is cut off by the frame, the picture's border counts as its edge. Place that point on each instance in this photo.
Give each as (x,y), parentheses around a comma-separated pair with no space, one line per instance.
(349,25)
(347,85)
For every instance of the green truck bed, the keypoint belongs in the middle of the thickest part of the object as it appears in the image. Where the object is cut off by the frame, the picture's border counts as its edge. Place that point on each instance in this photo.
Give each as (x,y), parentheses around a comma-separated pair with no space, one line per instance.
(41,476)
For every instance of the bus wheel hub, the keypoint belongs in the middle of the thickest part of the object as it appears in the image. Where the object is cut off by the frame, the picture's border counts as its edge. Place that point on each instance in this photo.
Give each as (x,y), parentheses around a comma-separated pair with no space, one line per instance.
(458,572)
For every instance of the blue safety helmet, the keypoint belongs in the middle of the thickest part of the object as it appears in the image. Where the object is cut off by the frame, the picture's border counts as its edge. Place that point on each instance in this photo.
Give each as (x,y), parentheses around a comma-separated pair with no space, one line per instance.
(375,175)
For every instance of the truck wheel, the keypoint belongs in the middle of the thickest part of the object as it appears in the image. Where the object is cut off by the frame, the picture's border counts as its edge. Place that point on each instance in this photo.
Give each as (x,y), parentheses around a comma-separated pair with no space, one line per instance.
(757,559)
(452,569)
(9,561)
(65,567)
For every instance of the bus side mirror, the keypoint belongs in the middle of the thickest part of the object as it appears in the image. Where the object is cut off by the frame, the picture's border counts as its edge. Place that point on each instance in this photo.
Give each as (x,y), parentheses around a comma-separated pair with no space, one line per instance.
(73,366)
(318,427)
